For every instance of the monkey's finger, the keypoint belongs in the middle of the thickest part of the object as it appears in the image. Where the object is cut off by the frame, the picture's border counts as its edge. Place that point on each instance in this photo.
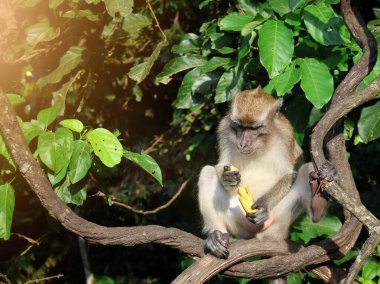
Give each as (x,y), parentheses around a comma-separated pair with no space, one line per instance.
(227,168)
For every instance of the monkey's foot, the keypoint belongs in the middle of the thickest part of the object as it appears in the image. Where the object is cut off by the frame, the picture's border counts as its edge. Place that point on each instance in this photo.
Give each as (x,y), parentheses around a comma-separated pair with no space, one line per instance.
(217,244)
(231,178)
(260,216)
(319,199)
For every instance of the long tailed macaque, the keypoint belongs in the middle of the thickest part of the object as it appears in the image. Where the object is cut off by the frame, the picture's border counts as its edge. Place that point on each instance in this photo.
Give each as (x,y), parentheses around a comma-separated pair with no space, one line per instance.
(258,140)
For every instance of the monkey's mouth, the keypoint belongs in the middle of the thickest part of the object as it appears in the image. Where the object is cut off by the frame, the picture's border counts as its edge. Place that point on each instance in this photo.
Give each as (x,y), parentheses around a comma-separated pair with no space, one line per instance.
(246,151)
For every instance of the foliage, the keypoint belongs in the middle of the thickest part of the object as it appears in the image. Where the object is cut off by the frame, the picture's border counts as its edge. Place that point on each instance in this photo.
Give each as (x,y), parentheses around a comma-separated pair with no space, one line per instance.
(77,70)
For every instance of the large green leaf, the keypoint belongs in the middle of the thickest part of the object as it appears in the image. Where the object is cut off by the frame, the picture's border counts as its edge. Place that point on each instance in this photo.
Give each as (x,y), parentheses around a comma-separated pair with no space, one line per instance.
(123,7)
(323,25)
(276,46)
(80,161)
(78,14)
(214,63)
(184,99)
(32,129)
(15,99)
(58,177)
(41,32)
(316,82)
(68,62)
(179,64)
(106,146)
(188,43)
(369,123)
(285,82)
(229,83)
(280,6)
(146,162)
(140,71)
(134,23)
(307,230)
(68,193)
(55,148)
(234,22)
(7,204)
(47,116)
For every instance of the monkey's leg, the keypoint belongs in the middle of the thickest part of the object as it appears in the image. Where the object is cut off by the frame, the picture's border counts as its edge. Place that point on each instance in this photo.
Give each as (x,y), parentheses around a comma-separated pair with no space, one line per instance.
(213,204)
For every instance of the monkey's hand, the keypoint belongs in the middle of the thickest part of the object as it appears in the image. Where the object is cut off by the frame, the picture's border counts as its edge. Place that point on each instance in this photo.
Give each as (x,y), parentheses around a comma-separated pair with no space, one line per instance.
(260,216)
(319,199)
(231,177)
(217,244)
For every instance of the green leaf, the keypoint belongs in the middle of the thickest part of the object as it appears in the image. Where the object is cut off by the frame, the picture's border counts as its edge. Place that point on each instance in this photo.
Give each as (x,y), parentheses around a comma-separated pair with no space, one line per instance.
(188,43)
(294,278)
(7,205)
(285,82)
(47,116)
(348,128)
(146,162)
(215,63)
(297,111)
(369,123)
(228,85)
(316,82)
(280,6)
(308,230)
(75,194)
(324,26)
(123,7)
(15,99)
(32,129)
(4,152)
(67,63)
(184,99)
(234,22)
(41,32)
(106,146)
(134,23)
(57,178)
(59,96)
(80,161)
(347,257)
(179,64)
(72,124)
(77,14)
(369,270)
(140,71)
(55,148)
(374,73)
(276,46)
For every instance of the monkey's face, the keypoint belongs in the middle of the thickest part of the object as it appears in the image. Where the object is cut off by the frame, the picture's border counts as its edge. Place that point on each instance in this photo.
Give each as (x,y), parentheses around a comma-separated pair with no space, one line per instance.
(249,138)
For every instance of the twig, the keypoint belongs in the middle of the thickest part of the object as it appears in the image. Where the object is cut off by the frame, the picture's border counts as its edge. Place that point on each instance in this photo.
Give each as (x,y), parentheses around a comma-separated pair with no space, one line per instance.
(33,242)
(155,19)
(5,278)
(90,278)
(157,209)
(45,279)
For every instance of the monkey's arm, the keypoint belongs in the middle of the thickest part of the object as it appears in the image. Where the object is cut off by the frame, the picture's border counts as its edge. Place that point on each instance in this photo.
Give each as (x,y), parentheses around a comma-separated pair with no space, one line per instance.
(269,200)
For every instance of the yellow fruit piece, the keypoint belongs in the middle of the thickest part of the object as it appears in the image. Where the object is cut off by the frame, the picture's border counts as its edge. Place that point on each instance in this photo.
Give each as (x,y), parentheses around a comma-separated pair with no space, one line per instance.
(246,199)
(234,169)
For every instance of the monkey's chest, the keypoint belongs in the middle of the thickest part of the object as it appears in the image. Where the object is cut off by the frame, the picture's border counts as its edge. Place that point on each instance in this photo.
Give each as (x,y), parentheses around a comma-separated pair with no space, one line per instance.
(260,181)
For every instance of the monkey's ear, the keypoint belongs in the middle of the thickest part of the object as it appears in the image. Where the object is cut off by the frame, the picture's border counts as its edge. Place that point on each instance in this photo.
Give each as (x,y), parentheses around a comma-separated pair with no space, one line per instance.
(279,104)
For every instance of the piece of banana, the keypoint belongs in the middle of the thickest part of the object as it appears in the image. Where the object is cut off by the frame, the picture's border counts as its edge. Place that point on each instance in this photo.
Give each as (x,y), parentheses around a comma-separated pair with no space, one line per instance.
(234,169)
(246,199)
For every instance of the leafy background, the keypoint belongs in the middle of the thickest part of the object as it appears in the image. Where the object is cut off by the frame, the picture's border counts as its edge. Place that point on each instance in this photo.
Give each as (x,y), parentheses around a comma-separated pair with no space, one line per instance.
(117,98)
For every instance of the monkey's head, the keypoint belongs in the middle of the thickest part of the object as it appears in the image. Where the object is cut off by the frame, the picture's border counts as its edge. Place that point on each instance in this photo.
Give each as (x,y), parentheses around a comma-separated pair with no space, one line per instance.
(251,120)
